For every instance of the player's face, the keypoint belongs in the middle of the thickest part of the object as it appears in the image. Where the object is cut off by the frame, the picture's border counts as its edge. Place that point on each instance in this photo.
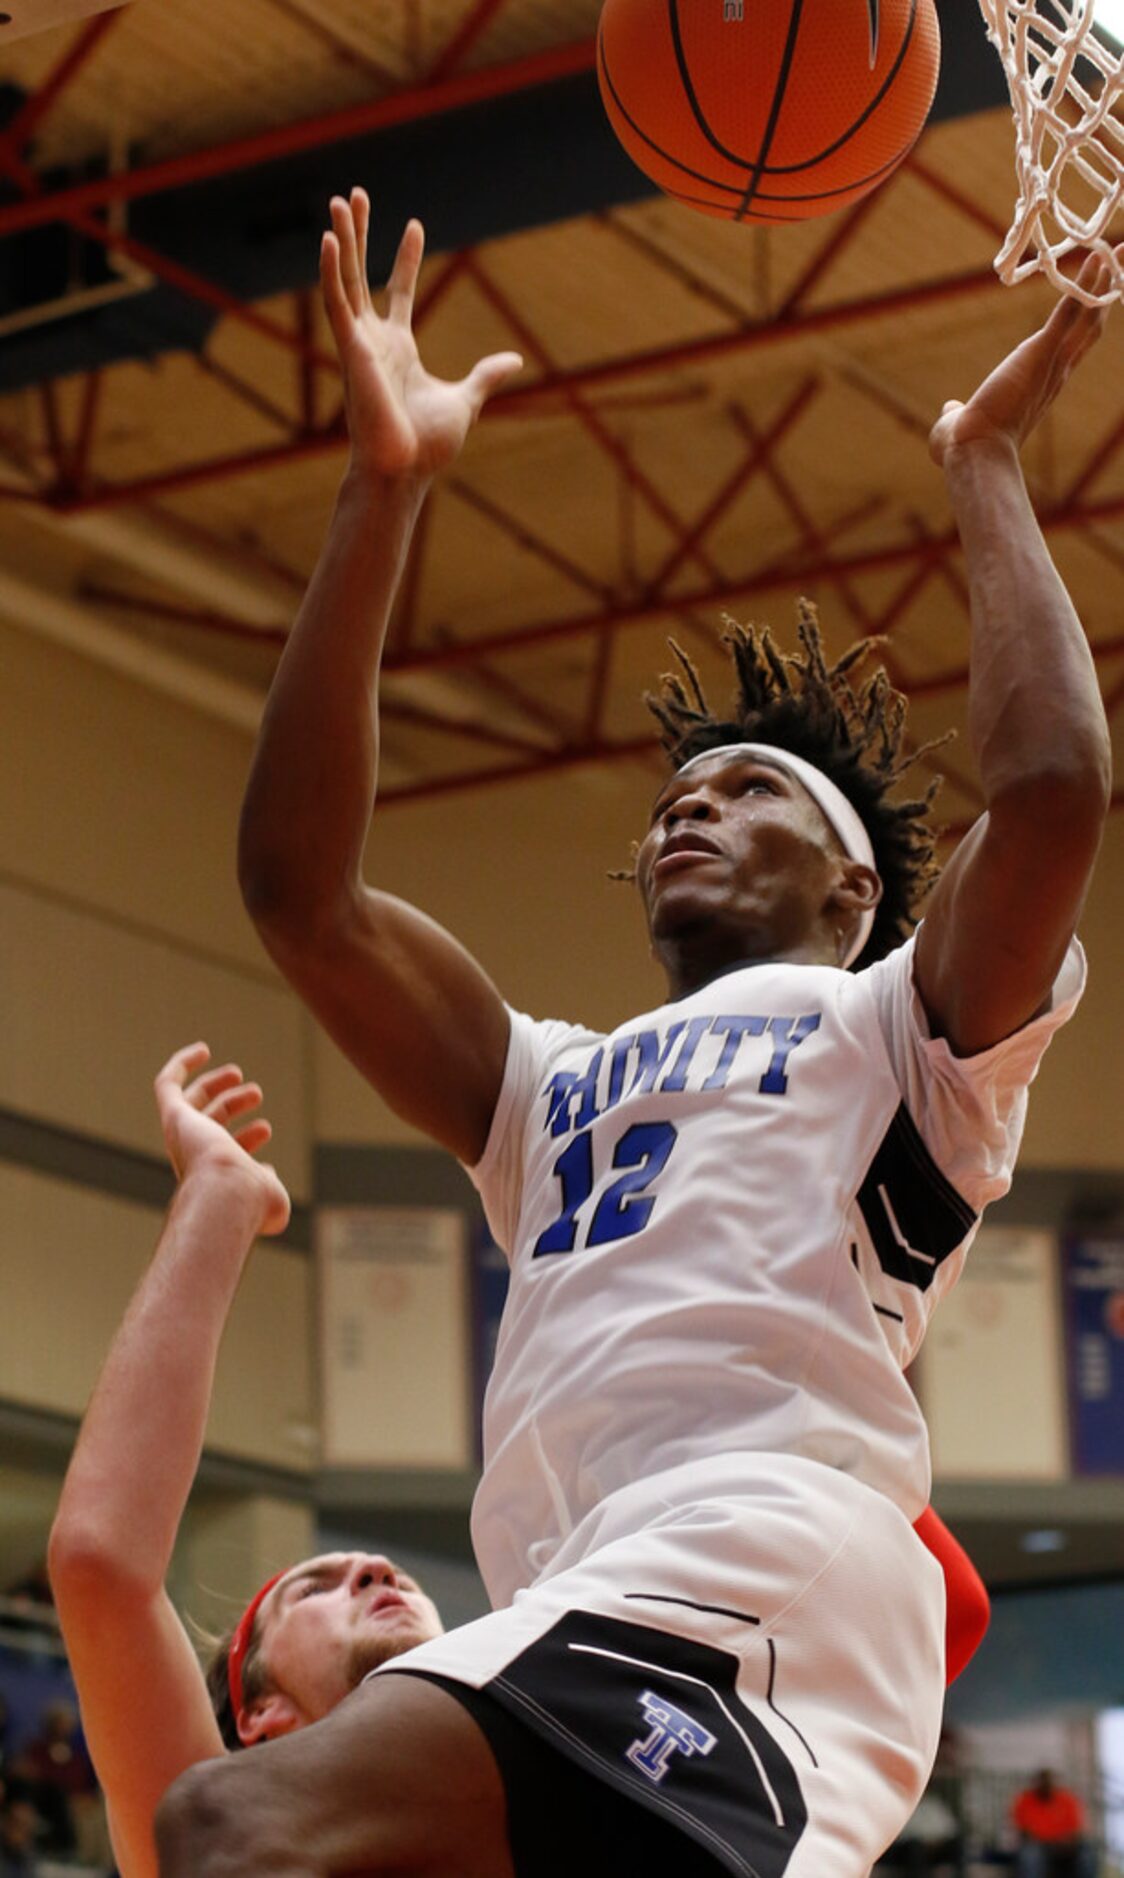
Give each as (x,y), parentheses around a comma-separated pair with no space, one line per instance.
(330,1621)
(737,846)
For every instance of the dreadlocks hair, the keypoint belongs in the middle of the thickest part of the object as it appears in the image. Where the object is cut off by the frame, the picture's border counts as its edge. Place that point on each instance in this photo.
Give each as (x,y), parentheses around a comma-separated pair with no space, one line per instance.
(855,736)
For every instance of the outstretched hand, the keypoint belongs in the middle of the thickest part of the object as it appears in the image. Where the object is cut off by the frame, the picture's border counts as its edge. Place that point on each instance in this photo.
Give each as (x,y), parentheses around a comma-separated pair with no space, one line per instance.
(1018,393)
(402,421)
(198,1113)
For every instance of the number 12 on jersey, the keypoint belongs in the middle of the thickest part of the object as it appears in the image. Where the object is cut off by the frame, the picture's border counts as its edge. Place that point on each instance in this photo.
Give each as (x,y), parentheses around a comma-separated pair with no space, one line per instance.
(625,1206)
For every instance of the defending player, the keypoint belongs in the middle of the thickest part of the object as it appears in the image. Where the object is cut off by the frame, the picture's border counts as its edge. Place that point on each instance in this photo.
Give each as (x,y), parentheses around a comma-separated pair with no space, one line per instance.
(728,1220)
(310,1636)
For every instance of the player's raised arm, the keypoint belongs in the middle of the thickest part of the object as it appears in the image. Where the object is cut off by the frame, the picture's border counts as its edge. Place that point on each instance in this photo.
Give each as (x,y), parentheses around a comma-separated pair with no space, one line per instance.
(145,1708)
(414,1012)
(1005,909)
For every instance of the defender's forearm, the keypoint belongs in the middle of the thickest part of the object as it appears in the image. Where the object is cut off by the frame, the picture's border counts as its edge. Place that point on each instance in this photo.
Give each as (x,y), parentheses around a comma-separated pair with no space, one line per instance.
(142,1435)
(1035,711)
(312,785)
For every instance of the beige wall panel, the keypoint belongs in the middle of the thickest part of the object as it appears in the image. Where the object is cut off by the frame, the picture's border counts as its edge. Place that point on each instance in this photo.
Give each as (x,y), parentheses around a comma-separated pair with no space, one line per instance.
(119,798)
(991,1378)
(230,1545)
(28,1502)
(395,1337)
(1076,1114)
(69,1260)
(90,1011)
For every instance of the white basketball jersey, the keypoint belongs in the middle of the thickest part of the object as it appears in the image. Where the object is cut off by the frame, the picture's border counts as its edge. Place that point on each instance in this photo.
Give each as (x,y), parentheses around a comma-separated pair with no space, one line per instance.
(728,1223)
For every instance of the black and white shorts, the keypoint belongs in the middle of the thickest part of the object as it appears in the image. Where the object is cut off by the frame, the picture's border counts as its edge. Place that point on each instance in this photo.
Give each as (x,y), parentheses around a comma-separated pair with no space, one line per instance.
(761,1676)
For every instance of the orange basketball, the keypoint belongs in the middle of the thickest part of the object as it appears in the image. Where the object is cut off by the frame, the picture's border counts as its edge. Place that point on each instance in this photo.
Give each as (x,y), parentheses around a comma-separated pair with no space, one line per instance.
(768,110)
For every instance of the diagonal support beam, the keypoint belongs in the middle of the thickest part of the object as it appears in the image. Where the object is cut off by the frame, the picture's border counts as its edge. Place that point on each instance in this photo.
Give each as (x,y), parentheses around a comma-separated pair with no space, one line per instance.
(587,416)
(403,107)
(471,29)
(32,114)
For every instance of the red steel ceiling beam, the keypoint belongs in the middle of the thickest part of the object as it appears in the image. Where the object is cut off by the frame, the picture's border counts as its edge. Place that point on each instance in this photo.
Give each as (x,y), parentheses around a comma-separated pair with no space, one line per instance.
(759,454)
(198,287)
(243,153)
(398,710)
(475,23)
(589,419)
(940,186)
(844,314)
(31,114)
(87,420)
(526,538)
(772,578)
(812,541)
(245,392)
(341,49)
(1102,455)
(826,255)
(524,700)
(636,749)
(673,267)
(518,403)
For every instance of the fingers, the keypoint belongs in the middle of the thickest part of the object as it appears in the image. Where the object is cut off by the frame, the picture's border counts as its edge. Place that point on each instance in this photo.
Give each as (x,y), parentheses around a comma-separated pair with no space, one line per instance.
(352,278)
(223,1095)
(254,1135)
(361,221)
(331,287)
(486,378)
(172,1078)
(404,274)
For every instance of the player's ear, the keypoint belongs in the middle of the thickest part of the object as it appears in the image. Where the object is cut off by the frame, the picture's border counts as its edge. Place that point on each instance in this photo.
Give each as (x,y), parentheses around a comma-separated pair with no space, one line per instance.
(268,1717)
(857,888)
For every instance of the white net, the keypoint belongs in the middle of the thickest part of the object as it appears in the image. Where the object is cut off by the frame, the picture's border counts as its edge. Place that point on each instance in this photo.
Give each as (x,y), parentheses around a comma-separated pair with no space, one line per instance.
(1066,81)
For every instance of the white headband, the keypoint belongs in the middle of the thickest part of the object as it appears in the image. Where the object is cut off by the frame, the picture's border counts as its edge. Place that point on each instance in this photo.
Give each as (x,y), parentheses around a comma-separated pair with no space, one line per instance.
(833,805)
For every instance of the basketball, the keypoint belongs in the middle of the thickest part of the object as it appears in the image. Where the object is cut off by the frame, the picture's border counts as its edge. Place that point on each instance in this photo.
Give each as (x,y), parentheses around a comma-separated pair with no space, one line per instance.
(768,110)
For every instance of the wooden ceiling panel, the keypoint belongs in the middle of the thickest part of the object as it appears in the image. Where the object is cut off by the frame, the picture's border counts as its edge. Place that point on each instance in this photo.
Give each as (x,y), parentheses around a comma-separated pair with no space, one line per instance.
(740,413)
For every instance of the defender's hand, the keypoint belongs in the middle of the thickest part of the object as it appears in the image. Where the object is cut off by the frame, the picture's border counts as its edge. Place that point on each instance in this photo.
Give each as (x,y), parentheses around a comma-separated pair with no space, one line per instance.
(402,421)
(1018,393)
(198,1118)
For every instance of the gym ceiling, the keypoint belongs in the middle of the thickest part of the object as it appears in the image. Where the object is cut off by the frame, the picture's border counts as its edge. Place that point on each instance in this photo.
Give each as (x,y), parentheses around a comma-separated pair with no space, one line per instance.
(712,420)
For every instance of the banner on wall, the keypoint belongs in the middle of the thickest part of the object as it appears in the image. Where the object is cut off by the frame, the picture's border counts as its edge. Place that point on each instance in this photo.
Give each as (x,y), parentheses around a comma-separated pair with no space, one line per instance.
(991,1371)
(1094,1287)
(395,1343)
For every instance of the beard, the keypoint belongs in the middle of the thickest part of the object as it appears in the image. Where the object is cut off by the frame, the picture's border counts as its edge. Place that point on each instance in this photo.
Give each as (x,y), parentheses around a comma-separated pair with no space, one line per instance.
(379,1645)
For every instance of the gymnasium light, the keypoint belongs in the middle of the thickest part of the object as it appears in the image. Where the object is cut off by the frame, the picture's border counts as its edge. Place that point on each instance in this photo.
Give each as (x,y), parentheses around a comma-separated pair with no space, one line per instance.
(1109,15)
(1044,1539)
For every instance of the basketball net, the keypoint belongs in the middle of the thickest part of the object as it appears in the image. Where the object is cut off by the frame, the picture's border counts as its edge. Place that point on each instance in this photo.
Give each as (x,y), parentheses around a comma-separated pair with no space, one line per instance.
(1065,87)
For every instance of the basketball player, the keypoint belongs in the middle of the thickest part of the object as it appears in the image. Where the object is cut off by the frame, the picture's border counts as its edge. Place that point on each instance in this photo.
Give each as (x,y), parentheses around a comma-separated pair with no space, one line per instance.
(728,1220)
(312,1634)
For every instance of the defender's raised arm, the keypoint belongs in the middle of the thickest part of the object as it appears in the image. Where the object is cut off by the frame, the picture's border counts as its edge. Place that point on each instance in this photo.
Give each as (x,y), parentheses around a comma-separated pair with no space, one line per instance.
(415,1013)
(145,1707)
(1005,909)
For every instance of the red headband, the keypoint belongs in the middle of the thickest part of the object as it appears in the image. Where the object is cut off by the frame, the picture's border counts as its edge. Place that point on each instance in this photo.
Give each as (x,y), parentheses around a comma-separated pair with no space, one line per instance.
(240,1643)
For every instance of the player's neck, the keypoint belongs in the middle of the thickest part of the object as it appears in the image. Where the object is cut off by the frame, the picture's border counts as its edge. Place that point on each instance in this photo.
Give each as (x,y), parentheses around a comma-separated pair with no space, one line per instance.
(690,961)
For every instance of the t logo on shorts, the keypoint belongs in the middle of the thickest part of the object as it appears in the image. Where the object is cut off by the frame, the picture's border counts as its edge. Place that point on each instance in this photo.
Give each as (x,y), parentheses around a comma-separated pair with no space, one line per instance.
(671,1731)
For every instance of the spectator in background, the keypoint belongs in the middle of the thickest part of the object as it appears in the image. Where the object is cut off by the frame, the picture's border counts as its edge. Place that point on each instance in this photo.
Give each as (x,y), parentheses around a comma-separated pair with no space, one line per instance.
(55,1772)
(19,1833)
(32,1590)
(1050,1822)
(932,1841)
